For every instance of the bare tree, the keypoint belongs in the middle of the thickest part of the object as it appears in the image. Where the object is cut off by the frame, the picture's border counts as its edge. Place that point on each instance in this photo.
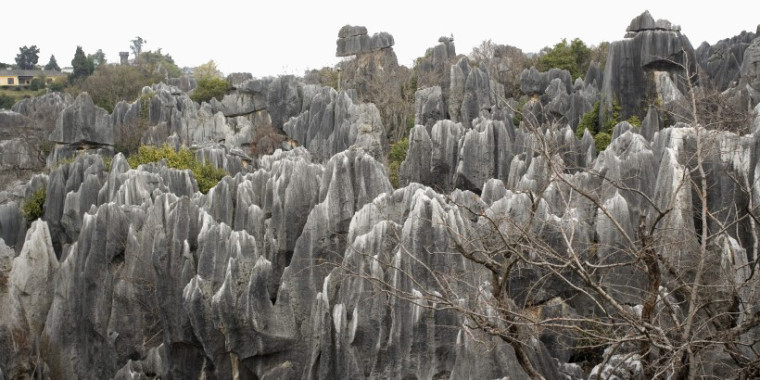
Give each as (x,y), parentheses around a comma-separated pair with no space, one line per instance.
(136,46)
(657,275)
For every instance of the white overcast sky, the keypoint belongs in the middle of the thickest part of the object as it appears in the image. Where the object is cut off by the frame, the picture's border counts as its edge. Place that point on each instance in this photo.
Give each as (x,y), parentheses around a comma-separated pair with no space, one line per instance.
(286,37)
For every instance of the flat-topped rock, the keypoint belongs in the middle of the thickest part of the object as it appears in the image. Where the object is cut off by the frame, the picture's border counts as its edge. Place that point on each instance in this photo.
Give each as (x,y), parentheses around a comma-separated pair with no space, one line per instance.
(353,40)
(645,21)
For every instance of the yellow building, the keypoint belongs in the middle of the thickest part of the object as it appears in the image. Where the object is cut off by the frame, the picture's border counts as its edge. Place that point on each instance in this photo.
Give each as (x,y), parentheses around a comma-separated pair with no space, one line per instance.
(15,78)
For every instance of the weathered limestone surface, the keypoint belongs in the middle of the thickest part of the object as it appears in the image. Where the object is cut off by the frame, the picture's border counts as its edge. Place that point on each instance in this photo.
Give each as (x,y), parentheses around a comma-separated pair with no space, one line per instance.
(283,269)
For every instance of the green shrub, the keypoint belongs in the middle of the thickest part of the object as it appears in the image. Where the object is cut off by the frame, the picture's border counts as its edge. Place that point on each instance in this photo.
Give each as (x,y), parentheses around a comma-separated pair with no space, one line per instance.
(209,87)
(107,161)
(6,101)
(206,175)
(517,119)
(37,84)
(396,156)
(634,121)
(589,120)
(34,207)
(612,117)
(602,140)
(57,86)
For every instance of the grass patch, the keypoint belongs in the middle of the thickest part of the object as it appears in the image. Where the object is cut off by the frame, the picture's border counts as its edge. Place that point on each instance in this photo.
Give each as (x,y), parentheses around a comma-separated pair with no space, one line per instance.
(11,95)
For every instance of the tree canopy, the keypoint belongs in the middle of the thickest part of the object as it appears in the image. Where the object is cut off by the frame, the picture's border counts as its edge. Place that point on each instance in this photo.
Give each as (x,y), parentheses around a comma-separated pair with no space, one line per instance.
(209,87)
(137,45)
(81,65)
(96,59)
(574,57)
(157,62)
(52,64)
(27,57)
(207,70)
(110,84)
(210,83)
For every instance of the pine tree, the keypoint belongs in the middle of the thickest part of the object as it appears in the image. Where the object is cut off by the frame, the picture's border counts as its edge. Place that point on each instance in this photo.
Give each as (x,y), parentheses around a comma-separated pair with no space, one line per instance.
(81,64)
(52,64)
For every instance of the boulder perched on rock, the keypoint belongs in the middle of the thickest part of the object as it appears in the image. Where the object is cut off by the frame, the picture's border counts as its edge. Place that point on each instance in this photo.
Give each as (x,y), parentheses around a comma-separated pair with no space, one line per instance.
(645,21)
(650,47)
(354,40)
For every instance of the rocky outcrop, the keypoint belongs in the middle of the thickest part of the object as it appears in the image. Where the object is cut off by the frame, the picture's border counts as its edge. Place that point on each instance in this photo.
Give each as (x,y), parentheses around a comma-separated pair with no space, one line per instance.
(235,80)
(34,119)
(750,71)
(332,121)
(43,110)
(722,61)
(532,82)
(645,21)
(162,279)
(377,78)
(276,99)
(184,83)
(354,40)
(473,93)
(306,263)
(434,70)
(30,288)
(429,106)
(83,123)
(650,47)
(555,99)
(18,154)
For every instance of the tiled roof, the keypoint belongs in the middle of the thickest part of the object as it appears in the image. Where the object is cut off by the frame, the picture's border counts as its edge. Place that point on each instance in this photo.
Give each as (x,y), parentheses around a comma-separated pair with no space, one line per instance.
(30,73)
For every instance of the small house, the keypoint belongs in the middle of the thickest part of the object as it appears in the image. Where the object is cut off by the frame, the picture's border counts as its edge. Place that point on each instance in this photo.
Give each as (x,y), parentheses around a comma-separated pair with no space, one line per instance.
(16,78)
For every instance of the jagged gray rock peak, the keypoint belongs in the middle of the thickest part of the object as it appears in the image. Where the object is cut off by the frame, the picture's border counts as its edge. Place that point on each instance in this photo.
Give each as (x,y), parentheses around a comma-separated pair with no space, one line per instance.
(750,71)
(34,119)
(261,284)
(353,40)
(18,154)
(30,291)
(282,270)
(237,79)
(262,101)
(472,94)
(453,156)
(331,122)
(429,106)
(554,97)
(652,47)
(723,60)
(83,123)
(184,83)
